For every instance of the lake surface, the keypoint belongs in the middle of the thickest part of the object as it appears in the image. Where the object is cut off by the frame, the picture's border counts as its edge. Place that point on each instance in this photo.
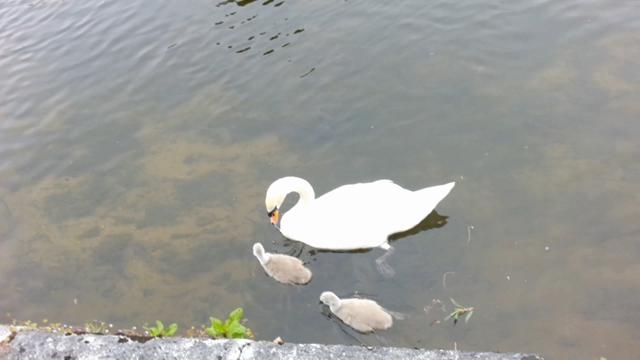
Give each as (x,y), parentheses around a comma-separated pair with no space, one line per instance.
(137,139)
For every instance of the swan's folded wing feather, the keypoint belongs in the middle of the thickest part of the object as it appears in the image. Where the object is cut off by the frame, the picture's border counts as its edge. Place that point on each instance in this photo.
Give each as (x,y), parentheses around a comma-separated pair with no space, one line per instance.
(359,216)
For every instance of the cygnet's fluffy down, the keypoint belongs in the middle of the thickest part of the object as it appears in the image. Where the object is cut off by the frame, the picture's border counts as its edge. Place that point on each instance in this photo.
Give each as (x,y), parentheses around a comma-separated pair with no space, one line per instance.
(361,314)
(284,268)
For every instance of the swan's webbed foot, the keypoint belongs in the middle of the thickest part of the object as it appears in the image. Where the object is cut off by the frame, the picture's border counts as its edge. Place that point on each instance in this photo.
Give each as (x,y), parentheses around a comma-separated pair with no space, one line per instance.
(383,267)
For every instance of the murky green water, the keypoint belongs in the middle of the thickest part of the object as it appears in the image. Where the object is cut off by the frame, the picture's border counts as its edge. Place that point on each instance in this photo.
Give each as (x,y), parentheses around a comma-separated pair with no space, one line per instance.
(137,139)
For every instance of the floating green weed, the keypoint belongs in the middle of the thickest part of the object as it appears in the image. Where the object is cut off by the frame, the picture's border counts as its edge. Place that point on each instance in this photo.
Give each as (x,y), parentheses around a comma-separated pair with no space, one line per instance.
(458,312)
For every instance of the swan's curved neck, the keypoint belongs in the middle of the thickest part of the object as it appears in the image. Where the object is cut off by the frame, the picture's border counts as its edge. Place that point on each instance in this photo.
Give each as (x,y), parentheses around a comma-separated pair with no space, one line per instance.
(302,187)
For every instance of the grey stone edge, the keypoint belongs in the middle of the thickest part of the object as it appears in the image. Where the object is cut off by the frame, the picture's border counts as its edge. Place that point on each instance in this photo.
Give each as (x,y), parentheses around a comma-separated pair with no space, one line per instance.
(34,344)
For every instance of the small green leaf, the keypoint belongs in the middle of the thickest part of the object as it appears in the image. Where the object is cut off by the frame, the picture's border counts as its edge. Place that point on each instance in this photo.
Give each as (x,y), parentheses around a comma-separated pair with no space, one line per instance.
(159,326)
(237,331)
(236,314)
(171,330)
(217,325)
(449,316)
(213,333)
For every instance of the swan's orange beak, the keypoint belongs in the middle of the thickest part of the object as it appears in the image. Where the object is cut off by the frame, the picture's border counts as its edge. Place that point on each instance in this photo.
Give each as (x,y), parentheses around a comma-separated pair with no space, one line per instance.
(275,217)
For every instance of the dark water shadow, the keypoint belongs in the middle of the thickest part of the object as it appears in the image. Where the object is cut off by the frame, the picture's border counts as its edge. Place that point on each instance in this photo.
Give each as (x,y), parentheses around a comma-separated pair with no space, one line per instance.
(341,326)
(432,221)
(255,30)
(243,3)
(363,339)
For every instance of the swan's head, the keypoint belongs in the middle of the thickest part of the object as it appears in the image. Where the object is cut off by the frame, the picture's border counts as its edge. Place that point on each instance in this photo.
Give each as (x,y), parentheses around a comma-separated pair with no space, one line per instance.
(330,299)
(278,191)
(274,199)
(258,252)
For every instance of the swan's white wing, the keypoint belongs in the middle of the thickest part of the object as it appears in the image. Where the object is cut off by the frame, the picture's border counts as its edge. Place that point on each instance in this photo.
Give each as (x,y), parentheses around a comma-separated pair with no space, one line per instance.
(359,216)
(345,218)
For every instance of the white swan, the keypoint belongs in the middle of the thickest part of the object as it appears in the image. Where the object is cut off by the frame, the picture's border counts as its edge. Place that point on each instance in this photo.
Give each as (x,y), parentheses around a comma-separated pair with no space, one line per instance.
(284,268)
(361,314)
(350,217)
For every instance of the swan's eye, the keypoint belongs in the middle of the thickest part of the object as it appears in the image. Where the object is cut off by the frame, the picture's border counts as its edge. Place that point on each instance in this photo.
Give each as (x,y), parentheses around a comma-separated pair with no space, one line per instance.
(270,213)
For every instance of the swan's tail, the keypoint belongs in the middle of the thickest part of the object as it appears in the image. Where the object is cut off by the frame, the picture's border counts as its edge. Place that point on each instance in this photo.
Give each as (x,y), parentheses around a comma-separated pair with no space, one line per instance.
(419,206)
(431,196)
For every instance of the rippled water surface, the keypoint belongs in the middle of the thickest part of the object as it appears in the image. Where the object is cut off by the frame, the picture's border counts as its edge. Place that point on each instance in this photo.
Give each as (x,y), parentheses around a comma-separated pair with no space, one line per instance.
(137,139)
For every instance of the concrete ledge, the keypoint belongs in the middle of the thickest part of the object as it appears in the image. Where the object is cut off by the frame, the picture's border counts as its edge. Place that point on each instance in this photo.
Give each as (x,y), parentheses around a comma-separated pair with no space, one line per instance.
(45,345)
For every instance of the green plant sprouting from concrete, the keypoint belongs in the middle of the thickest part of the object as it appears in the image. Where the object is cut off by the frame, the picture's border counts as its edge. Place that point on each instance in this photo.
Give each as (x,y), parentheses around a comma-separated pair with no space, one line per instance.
(160,330)
(231,328)
(97,327)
